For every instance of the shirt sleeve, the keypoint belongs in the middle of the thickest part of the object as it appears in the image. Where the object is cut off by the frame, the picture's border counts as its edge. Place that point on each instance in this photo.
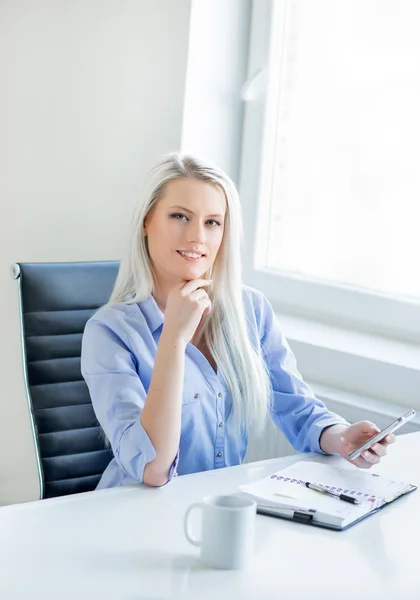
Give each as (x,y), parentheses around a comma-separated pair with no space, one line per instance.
(118,397)
(294,408)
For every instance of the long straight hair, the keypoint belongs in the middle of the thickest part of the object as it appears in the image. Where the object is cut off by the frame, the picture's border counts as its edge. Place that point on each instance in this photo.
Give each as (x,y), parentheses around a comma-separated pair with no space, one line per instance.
(225,330)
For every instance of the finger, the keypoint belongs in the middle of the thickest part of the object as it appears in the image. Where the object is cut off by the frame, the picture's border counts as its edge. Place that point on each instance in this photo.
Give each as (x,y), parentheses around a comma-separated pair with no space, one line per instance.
(207,310)
(389,439)
(201,298)
(369,428)
(378,449)
(365,462)
(371,457)
(386,441)
(194,284)
(361,463)
(366,459)
(205,305)
(198,295)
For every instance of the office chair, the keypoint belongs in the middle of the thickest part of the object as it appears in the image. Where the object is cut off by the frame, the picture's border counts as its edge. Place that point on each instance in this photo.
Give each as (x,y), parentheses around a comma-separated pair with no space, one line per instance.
(56,300)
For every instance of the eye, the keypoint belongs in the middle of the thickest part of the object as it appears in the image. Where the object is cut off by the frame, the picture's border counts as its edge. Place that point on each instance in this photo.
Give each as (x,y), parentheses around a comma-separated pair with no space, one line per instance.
(179,216)
(213,223)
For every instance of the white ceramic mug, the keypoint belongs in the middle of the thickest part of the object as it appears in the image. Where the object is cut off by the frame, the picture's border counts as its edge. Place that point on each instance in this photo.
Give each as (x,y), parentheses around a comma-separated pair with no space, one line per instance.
(228,531)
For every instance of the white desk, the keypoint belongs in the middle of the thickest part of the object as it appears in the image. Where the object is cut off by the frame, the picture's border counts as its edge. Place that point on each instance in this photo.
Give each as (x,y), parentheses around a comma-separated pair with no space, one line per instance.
(128,543)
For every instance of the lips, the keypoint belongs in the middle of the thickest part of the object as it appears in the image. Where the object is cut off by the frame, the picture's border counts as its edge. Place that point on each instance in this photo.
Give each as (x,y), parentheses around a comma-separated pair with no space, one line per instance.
(191,254)
(191,257)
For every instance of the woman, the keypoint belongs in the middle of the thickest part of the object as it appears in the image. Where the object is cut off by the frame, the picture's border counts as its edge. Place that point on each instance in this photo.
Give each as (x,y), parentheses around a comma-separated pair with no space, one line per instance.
(184,361)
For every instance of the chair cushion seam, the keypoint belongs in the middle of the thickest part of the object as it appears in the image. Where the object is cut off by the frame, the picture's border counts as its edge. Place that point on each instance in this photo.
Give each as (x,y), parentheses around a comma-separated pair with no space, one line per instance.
(62,310)
(81,454)
(37,385)
(64,406)
(64,430)
(73,478)
(44,335)
(43,360)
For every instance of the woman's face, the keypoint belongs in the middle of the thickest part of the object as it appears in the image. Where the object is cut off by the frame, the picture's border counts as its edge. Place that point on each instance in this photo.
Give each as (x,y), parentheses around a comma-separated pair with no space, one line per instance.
(185,230)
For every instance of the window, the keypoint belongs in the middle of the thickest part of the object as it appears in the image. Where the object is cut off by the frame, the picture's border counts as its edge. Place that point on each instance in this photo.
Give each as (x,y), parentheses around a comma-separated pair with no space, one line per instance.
(330,166)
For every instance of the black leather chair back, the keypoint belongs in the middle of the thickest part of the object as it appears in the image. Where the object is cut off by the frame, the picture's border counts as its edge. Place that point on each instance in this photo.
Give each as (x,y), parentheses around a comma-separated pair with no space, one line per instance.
(56,300)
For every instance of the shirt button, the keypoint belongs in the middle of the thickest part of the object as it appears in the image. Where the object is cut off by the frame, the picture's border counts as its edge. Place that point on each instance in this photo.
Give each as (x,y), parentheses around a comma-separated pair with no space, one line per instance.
(219,454)
(219,394)
(196,396)
(220,424)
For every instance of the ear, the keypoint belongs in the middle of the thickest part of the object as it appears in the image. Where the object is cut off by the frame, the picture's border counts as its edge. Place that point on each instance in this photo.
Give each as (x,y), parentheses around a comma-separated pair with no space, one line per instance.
(144,229)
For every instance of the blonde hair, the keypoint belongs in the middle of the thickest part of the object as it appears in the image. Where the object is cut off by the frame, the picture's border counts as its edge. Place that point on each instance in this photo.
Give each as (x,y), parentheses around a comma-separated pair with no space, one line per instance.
(225,330)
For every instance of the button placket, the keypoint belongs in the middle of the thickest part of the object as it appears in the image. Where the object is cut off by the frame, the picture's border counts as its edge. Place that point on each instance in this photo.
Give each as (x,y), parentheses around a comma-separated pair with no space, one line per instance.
(220,433)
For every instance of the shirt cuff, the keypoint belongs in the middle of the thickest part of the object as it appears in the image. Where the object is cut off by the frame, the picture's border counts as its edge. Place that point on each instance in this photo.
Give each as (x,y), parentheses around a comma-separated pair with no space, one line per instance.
(173,471)
(135,450)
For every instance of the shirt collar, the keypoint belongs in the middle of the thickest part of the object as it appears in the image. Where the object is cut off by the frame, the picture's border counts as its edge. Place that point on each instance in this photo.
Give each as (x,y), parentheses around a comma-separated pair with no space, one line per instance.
(152,313)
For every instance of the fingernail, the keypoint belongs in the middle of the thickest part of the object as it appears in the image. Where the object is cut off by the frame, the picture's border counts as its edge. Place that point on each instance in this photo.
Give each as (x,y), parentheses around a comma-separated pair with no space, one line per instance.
(344,441)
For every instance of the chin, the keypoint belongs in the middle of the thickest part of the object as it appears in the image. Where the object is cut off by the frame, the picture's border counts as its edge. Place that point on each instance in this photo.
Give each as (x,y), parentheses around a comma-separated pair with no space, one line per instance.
(194,273)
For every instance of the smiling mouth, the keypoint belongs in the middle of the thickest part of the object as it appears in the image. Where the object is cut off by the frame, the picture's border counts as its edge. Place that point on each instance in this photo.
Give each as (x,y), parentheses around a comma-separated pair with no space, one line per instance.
(191,256)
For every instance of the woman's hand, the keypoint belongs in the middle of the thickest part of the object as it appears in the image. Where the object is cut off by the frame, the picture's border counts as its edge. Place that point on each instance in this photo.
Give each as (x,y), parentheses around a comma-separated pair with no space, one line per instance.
(343,440)
(186,304)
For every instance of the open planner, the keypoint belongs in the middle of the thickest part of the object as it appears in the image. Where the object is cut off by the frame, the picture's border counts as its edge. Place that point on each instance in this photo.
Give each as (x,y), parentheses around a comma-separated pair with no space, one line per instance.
(283,494)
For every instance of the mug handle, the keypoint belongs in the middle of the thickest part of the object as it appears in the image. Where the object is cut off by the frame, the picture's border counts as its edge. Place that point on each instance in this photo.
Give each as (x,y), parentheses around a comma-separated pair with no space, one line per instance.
(188,535)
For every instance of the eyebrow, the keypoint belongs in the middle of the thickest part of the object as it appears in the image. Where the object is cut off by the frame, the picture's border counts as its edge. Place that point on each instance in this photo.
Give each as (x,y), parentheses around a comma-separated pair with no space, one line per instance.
(192,213)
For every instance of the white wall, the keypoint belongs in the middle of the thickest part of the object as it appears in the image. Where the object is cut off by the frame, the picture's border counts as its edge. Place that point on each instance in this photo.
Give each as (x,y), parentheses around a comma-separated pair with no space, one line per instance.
(92,93)
(217,69)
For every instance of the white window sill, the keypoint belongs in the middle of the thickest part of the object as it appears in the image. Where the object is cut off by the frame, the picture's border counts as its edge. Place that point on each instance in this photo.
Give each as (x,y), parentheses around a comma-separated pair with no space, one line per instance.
(364,365)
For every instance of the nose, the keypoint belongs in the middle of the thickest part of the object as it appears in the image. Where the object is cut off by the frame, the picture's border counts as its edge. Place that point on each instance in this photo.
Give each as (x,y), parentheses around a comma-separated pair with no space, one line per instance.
(196,232)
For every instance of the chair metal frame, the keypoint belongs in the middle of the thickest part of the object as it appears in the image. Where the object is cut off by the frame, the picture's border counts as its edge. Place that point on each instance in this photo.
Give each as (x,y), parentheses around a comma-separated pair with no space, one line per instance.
(15,272)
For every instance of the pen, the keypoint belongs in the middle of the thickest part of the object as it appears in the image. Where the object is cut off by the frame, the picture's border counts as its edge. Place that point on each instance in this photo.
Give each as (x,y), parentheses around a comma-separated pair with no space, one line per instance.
(344,497)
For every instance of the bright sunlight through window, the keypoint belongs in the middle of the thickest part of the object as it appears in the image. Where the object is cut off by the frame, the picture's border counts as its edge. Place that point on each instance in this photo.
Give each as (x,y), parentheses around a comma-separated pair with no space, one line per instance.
(345,204)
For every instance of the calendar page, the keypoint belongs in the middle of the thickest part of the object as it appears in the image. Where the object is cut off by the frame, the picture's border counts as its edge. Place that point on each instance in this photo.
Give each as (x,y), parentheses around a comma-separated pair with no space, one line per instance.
(286,489)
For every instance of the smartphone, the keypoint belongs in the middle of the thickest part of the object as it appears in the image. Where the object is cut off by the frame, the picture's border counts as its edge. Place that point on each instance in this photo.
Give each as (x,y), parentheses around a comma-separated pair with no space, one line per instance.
(380,436)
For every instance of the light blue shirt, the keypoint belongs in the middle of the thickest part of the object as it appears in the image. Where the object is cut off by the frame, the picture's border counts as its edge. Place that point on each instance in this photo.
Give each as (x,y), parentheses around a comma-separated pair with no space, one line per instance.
(118,354)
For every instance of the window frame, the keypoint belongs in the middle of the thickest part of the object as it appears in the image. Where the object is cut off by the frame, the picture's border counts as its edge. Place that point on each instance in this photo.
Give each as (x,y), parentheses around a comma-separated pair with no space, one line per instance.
(367,311)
